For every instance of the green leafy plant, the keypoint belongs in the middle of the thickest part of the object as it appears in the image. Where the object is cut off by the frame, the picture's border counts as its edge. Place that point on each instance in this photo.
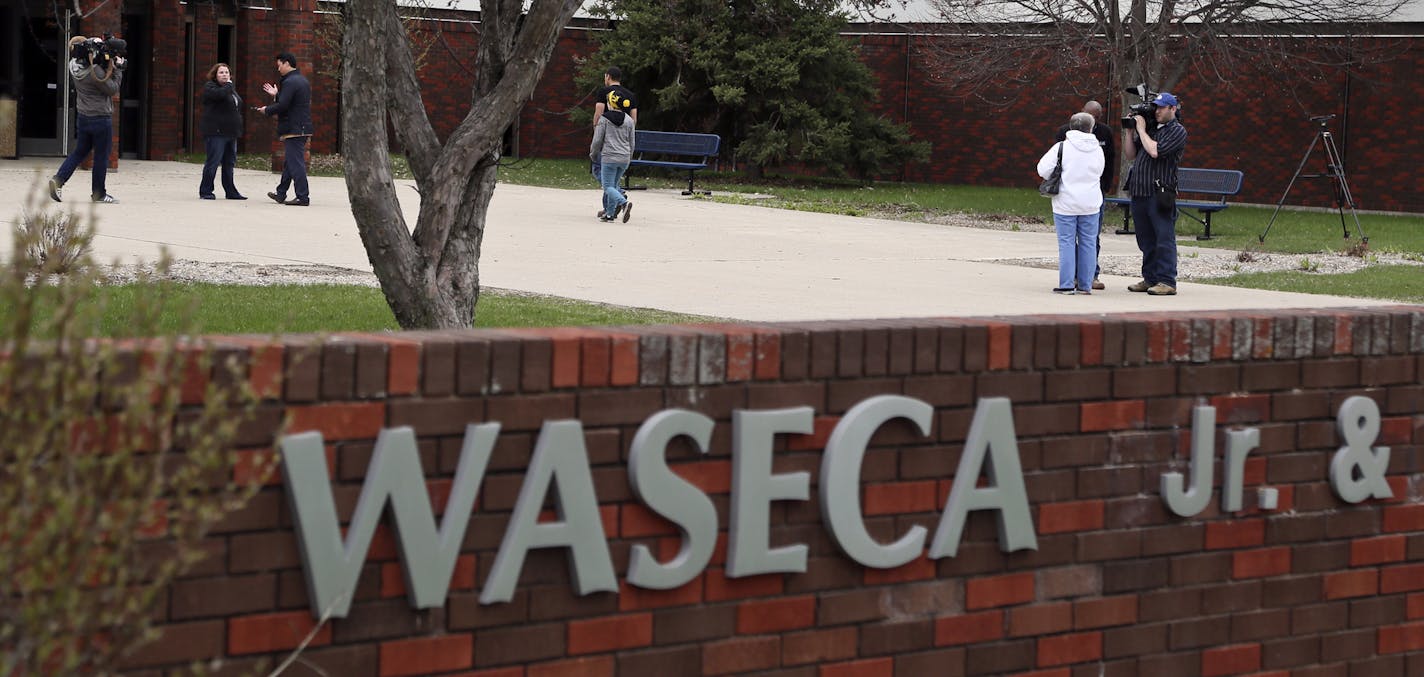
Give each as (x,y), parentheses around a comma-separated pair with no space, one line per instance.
(1309,266)
(116,456)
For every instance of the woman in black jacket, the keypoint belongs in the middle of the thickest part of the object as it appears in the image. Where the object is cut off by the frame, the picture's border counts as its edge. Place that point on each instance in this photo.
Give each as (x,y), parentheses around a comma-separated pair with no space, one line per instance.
(221,125)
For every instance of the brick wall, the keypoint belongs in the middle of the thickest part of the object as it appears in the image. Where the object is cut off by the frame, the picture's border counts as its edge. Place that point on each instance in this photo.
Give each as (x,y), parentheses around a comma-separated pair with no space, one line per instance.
(1118,586)
(1251,127)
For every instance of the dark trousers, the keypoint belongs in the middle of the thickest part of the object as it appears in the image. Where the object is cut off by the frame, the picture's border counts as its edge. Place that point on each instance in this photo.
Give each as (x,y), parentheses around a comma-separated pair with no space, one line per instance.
(294,167)
(1157,240)
(222,152)
(92,134)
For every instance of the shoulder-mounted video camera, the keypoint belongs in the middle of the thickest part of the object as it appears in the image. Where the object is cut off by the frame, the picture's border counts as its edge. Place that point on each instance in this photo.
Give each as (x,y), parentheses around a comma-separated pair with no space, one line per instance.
(102,52)
(1143,107)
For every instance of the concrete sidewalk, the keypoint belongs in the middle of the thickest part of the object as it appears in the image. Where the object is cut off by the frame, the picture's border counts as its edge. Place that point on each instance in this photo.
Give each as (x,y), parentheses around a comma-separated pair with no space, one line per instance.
(678,254)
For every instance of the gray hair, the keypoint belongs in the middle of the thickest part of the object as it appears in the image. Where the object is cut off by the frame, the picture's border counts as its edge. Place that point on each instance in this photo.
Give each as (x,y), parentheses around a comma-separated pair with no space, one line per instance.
(1082,122)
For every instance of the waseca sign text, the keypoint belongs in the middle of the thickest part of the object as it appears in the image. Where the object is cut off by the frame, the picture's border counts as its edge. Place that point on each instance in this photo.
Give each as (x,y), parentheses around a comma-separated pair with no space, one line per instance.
(560,465)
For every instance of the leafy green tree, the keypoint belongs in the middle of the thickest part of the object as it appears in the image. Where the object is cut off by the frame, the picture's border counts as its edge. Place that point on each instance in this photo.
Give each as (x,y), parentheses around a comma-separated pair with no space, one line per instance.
(774,78)
(115,458)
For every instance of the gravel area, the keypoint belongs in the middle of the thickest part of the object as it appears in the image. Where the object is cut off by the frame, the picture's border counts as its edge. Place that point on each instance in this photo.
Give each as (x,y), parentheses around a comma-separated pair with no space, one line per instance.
(1194,263)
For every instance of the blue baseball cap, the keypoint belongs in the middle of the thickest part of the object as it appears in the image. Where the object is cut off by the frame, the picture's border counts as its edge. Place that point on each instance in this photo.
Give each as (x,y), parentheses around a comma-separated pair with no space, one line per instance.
(1165,99)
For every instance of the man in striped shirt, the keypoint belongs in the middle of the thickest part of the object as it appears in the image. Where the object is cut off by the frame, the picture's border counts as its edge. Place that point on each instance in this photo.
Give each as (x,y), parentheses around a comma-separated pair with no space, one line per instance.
(1152,183)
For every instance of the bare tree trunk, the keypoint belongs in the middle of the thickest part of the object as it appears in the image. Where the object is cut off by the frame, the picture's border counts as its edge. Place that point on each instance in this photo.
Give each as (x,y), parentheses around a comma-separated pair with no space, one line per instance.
(430,274)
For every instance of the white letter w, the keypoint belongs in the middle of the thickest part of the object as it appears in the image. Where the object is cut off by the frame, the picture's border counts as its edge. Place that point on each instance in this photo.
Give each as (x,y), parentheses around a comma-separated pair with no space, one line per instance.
(394,476)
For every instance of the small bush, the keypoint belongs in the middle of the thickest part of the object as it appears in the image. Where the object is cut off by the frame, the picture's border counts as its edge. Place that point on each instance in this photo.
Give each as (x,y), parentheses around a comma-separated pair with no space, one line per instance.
(116,457)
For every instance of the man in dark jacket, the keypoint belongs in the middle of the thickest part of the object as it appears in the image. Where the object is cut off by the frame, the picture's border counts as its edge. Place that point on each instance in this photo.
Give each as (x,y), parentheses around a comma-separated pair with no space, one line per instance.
(294,127)
(96,82)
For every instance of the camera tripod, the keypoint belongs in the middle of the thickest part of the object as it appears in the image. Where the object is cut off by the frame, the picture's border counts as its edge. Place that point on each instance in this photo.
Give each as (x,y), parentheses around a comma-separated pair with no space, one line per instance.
(1334,169)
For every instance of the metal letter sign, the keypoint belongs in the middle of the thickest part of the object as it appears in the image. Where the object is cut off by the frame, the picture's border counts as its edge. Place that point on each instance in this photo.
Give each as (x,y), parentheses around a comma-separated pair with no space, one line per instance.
(991,438)
(840,481)
(672,497)
(560,465)
(1357,471)
(560,458)
(754,487)
(1186,502)
(394,476)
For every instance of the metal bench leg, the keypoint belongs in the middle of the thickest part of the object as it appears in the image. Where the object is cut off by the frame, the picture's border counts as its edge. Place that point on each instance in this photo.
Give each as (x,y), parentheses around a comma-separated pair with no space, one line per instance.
(1206,222)
(691,176)
(1126,228)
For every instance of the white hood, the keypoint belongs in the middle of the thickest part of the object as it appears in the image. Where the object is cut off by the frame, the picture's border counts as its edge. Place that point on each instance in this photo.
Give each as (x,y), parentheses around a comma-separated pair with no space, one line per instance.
(1081,192)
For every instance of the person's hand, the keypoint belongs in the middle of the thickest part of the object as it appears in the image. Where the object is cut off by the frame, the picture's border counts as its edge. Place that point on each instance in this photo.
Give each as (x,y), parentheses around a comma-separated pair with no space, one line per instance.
(270,88)
(261,109)
(1141,124)
(120,61)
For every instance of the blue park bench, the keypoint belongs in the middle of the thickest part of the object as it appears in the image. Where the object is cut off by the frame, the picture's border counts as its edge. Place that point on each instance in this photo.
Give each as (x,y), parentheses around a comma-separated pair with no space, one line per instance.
(674,150)
(1218,182)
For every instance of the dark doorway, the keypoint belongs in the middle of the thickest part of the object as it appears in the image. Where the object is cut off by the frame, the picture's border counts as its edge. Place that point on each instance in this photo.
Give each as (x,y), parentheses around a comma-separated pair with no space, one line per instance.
(133,97)
(39,38)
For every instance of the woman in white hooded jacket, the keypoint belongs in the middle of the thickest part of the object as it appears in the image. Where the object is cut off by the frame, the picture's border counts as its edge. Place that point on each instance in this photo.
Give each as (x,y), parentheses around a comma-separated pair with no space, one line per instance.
(1077,204)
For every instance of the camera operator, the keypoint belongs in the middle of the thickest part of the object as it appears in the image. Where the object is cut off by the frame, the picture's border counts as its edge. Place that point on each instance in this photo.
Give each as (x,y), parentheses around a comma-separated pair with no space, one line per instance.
(97,67)
(1152,183)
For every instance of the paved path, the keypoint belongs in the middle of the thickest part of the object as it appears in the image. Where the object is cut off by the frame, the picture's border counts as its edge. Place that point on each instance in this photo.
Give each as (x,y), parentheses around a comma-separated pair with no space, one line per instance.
(692,256)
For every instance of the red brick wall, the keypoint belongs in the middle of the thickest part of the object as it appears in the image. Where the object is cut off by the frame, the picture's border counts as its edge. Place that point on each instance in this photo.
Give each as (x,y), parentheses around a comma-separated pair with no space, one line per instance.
(1246,127)
(1118,586)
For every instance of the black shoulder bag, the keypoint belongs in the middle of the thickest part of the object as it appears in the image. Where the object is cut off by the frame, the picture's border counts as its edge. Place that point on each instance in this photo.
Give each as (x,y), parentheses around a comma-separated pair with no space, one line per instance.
(1050,185)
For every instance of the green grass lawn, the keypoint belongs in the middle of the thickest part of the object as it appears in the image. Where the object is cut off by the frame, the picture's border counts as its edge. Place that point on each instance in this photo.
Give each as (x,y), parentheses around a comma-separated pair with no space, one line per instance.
(237,309)
(1395,283)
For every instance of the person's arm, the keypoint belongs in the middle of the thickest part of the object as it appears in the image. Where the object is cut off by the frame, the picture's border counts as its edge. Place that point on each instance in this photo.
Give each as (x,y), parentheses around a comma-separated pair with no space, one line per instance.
(597,112)
(595,149)
(1149,144)
(283,102)
(216,92)
(1048,161)
(115,78)
(633,114)
(1174,138)
(1129,148)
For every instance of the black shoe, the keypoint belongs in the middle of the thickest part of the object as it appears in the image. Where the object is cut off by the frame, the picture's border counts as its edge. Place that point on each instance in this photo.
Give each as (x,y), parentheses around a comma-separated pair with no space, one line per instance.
(627,210)
(237,197)
(207,197)
(298,202)
(279,199)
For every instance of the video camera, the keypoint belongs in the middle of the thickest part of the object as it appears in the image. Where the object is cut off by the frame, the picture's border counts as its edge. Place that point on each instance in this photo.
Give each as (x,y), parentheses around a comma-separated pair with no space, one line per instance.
(1144,107)
(101,52)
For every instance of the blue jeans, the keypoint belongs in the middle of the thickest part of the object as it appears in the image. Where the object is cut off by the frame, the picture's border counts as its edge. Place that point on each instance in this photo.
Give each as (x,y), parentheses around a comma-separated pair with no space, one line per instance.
(609,174)
(95,134)
(222,152)
(294,167)
(1098,239)
(1157,240)
(1077,250)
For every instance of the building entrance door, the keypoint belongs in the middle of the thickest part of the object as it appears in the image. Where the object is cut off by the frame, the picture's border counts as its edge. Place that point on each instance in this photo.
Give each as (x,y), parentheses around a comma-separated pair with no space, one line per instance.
(38,54)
